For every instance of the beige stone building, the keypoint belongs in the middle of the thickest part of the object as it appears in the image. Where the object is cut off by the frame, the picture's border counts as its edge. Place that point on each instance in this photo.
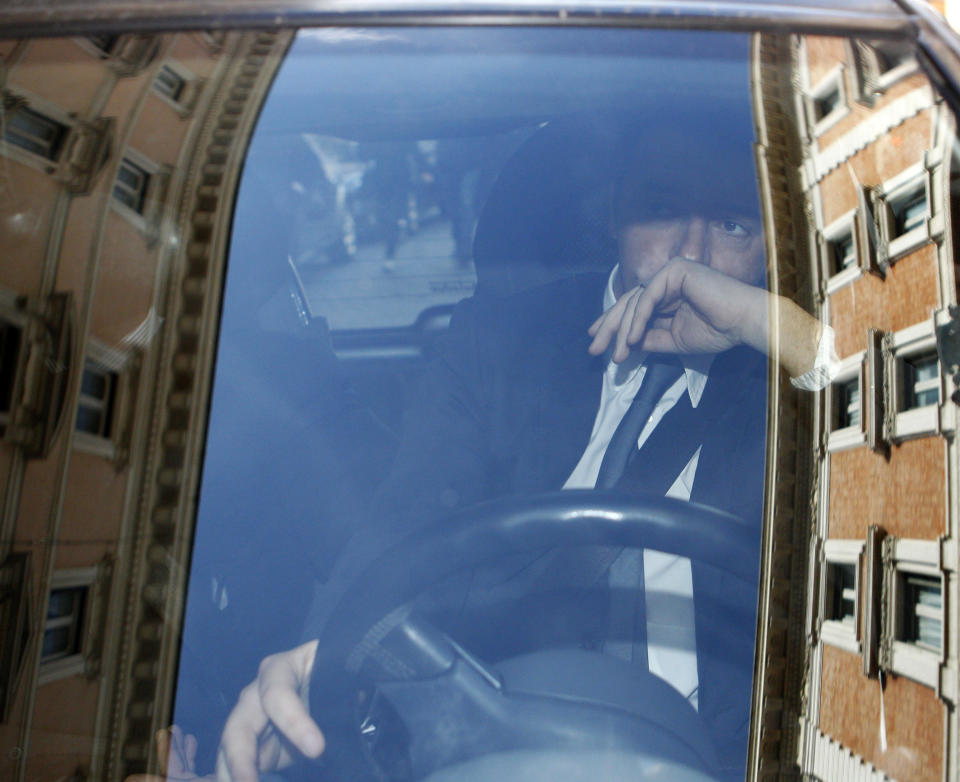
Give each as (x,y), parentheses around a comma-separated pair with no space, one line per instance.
(119,160)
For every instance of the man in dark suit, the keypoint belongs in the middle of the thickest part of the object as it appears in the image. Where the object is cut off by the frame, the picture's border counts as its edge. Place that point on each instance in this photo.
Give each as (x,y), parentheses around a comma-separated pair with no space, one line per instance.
(530,391)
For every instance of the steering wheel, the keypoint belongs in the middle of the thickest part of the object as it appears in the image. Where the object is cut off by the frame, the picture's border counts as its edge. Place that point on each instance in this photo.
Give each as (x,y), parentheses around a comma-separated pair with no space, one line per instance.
(425,682)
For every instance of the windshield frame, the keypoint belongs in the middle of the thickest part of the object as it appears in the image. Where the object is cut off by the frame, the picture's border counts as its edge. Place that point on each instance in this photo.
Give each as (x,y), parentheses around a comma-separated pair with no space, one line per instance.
(33,17)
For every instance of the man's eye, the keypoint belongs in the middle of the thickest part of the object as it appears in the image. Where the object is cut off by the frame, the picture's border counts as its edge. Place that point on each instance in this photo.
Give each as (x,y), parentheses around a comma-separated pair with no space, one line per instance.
(733,228)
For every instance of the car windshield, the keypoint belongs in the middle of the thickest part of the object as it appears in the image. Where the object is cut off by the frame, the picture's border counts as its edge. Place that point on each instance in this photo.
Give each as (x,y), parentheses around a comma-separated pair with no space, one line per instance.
(523,401)
(392,175)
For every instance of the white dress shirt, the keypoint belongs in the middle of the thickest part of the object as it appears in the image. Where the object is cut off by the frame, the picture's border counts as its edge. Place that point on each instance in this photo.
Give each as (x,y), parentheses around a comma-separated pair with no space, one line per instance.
(668,583)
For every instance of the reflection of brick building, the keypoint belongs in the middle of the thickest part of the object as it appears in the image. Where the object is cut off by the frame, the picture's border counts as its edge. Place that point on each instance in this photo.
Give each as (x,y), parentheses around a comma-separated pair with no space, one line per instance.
(119,160)
(881,683)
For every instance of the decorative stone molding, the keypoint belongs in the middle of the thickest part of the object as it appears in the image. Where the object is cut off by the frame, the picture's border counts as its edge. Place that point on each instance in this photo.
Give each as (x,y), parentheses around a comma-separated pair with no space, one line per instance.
(781,631)
(43,369)
(834,761)
(200,199)
(85,153)
(885,644)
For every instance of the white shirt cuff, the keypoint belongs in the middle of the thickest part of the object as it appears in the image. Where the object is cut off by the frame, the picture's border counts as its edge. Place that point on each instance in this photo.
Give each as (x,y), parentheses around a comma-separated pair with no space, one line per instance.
(825,366)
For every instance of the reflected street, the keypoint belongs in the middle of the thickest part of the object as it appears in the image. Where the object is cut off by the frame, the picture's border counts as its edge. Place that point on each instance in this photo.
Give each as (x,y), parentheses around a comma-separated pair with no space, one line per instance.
(372,292)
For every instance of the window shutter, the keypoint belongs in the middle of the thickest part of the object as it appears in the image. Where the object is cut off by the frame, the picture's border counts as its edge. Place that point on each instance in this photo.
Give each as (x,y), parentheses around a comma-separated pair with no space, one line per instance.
(872,597)
(874,403)
(871,242)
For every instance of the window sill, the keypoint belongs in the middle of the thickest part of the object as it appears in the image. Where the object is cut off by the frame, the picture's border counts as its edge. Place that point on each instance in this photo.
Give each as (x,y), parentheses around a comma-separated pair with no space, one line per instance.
(27,158)
(99,446)
(891,77)
(913,240)
(73,665)
(921,665)
(823,125)
(917,423)
(133,217)
(183,110)
(840,635)
(848,437)
(844,278)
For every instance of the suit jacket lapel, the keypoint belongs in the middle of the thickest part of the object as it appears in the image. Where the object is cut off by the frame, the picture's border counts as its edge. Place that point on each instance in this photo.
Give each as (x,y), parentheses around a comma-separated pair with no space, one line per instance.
(561,383)
(730,390)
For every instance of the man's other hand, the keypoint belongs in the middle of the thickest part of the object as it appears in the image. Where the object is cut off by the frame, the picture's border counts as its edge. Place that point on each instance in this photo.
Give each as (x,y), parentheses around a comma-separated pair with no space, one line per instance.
(177,754)
(271,707)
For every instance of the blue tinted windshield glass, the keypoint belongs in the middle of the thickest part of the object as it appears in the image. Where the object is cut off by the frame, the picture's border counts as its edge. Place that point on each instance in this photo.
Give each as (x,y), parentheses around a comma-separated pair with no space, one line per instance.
(489,410)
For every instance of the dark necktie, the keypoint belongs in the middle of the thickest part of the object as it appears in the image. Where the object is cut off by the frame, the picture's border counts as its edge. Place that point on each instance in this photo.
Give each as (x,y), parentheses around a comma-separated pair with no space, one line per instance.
(661,373)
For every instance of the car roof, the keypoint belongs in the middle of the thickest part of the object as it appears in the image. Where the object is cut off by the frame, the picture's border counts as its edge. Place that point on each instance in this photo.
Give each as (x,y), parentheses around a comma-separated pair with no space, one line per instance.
(39,17)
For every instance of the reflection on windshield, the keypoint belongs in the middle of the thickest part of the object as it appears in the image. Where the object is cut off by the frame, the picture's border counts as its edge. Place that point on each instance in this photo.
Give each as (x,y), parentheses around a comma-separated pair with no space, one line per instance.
(377,232)
(351,417)
(881,179)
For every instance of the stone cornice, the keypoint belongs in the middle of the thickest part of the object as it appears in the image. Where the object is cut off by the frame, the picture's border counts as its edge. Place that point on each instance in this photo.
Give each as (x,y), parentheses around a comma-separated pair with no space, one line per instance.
(153,614)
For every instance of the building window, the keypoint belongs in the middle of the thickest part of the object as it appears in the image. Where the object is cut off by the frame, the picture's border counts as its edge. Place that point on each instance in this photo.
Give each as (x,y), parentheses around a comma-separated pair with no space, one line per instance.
(824,105)
(169,83)
(130,188)
(914,382)
(140,191)
(909,212)
(843,253)
(63,628)
(921,620)
(827,102)
(95,409)
(903,211)
(891,55)
(73,627)
(845,250)
(841,605)
(176,85)
(35,132)
(879,64)
(914,631)
(847,403)
(107,402)
(921,381)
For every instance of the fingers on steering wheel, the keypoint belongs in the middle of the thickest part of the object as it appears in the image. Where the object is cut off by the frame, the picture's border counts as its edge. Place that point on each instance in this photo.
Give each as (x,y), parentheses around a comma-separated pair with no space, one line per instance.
(280,682)
(239,744)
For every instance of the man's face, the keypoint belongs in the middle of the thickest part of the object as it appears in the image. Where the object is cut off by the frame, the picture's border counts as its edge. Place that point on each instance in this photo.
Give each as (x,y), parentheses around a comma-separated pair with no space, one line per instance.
(679,200)
(732,245)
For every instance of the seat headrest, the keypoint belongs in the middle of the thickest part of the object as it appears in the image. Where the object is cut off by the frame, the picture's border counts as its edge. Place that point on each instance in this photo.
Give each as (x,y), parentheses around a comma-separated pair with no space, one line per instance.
(548,214)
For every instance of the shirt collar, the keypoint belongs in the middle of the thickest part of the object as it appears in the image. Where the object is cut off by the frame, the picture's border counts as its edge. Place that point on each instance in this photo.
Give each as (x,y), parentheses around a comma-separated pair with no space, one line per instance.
(695,366)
